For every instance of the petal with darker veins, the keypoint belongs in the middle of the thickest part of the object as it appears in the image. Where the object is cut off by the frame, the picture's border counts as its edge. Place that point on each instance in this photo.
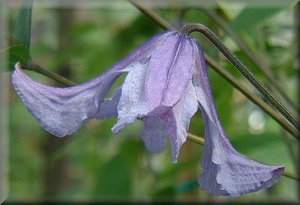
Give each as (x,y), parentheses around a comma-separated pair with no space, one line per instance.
(178,119)
(225,171)
(169,70)
(62,111)
(154,134)
(132,102)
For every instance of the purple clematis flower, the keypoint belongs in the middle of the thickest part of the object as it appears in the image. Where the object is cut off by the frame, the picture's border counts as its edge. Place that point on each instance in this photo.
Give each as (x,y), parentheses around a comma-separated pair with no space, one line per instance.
(166,83)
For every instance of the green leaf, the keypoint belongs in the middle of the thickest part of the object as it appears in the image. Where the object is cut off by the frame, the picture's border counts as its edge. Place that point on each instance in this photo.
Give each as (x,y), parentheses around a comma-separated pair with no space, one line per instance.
(251,16)
(22,29)
(17,53)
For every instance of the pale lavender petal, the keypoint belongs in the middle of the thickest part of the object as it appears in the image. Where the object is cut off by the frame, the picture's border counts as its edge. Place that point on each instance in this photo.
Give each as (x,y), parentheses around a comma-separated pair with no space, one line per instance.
(178,119)
(109,107)
(225,171)
(61,111)
(154,134)
(169,70)
(132,102)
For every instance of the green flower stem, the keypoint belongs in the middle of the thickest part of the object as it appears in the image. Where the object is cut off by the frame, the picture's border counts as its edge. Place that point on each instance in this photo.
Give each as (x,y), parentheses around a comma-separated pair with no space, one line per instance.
(275,115)
(200,140)
(289,142)
(195,138)
(291,176)
(152,15)
(264,68)
(160,21)
(37,68)
(242,69)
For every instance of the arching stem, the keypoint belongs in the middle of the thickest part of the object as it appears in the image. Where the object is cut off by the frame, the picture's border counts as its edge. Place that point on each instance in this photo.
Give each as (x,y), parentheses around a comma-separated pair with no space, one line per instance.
(188,29)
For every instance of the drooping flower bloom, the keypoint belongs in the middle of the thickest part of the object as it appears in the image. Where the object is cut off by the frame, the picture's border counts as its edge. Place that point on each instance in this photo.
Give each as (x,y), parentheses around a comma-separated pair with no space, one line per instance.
(166,83)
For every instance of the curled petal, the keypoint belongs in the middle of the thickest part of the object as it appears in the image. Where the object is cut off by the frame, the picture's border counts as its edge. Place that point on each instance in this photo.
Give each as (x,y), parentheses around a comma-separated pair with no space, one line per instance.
(169,70)
(225,171)
(61,111)
(154,134)
(178,119)
(132,102)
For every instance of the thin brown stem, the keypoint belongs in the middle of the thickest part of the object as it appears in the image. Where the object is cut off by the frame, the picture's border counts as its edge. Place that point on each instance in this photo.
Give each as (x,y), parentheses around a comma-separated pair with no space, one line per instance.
(290,147)
(195,138)
(256,100)
(37,68)
(263,67)
(160,21)
(291,176)
(242,69)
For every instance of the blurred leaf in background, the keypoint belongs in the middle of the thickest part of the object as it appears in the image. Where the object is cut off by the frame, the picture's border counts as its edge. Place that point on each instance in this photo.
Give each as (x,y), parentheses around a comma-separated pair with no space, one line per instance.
(19,50)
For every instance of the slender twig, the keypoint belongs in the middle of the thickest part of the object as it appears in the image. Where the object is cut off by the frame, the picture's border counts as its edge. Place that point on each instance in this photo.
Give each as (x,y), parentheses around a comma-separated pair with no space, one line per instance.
(256,100)
(291,176)
(161,22)
(297,22)
(264,68)
(37,68)
(152,15)
(242,69)
(290,147)
(195,138)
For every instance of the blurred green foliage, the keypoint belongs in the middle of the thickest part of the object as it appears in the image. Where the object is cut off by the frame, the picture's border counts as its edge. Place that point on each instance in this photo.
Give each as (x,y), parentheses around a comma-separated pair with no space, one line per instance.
(19,50)
(105,167)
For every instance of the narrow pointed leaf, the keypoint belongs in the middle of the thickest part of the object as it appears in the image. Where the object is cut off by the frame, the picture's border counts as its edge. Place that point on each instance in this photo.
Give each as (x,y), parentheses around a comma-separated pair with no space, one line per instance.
(22,29)
(21,35)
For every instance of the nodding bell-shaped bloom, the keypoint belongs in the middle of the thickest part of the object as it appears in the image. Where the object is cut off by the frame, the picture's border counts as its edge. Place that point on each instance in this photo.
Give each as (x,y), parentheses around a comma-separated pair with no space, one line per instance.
(166,83)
